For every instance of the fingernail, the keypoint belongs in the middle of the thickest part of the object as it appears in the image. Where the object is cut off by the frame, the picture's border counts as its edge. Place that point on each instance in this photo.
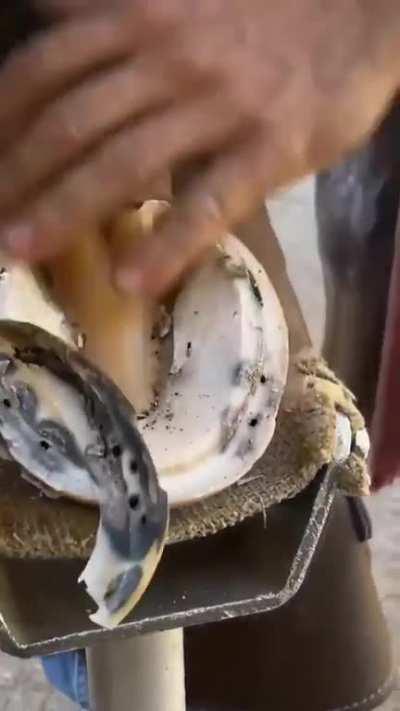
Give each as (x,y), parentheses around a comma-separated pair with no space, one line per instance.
(18,238)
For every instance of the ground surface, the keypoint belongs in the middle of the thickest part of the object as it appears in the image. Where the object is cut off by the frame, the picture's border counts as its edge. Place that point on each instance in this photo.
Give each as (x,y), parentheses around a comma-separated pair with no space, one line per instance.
(22,687)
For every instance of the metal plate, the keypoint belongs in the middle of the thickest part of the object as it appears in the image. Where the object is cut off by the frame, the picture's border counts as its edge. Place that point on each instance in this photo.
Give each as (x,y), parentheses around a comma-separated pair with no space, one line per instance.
(256,566)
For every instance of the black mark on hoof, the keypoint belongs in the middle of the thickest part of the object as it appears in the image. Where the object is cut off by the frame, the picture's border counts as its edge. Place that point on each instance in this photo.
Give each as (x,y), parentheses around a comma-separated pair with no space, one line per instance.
(134,501)
(254,287)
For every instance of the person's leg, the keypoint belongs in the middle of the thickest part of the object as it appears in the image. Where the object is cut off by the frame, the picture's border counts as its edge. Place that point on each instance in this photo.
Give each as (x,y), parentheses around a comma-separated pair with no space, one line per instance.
(67,672)
(357,207)
(325,650)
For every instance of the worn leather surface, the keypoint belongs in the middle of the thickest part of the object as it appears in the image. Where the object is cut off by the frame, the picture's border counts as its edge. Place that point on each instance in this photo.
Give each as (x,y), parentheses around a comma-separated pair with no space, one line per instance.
(356,207)
(326,650)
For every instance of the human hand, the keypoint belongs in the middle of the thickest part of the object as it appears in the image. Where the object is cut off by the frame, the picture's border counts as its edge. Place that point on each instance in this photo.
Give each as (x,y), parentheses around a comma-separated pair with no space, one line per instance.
(262,92)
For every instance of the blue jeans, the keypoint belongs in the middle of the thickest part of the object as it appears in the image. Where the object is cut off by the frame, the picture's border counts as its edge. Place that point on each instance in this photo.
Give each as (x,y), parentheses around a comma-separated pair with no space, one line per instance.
(67,672)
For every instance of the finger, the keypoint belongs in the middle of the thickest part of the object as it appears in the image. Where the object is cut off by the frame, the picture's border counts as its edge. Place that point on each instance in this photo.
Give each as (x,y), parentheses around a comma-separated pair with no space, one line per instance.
(216,201)
(52,61)
(81,44)
(74,123)
(115,172)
